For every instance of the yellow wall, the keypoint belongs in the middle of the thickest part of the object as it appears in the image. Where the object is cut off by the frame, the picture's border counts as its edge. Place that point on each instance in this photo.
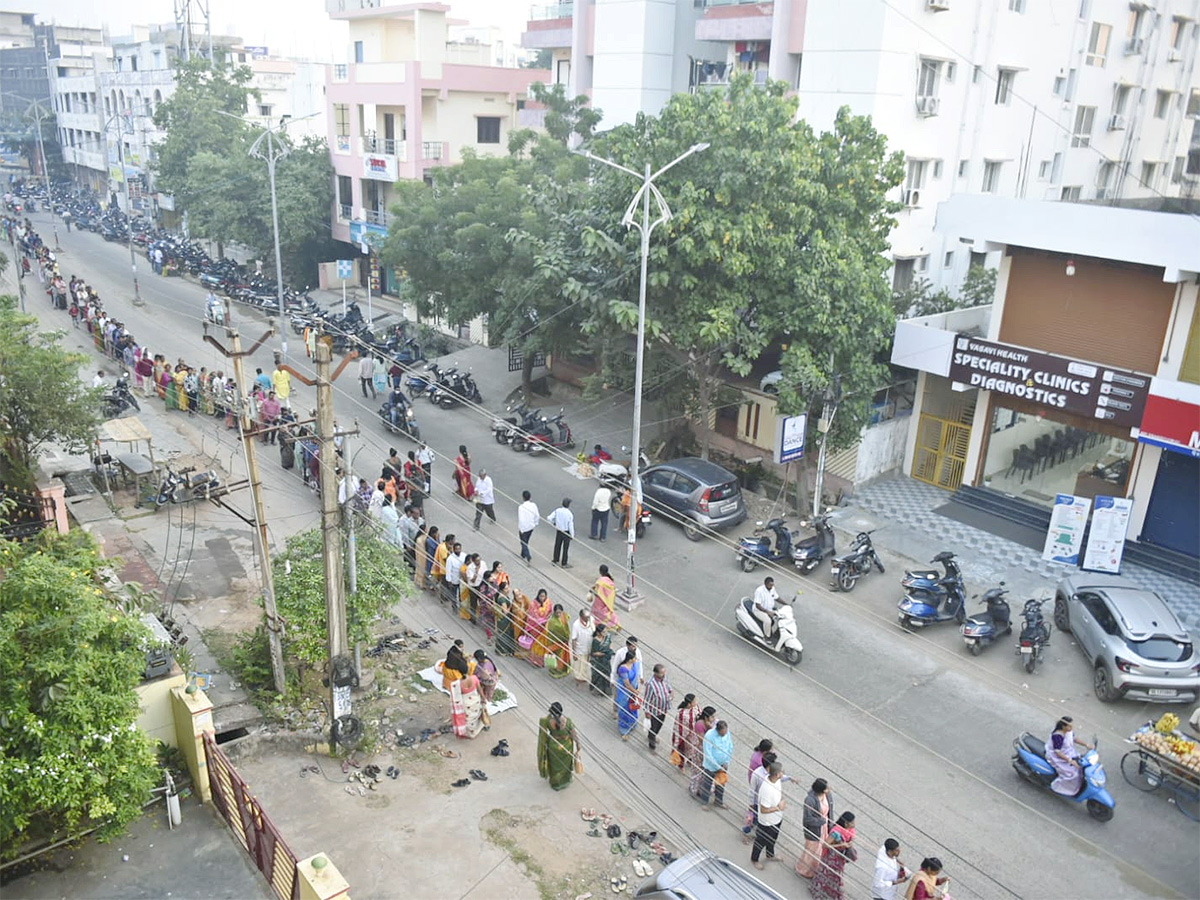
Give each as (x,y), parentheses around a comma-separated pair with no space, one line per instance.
(1189,369)
(756,420)
(453,120)
(157,718)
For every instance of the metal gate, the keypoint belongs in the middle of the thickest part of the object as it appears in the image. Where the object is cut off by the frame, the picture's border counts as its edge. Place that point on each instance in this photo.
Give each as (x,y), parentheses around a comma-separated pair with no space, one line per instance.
(516,359)
(249,821)
(941,452)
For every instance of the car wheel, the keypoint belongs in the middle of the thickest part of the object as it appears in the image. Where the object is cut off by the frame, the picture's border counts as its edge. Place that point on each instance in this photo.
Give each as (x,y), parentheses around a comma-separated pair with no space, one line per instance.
(749,564)
(691,531)
(1060,616)
(1102,684)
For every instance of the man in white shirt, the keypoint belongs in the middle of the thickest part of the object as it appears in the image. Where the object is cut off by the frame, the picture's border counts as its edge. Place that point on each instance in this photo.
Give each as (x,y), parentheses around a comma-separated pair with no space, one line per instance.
(582,630)
(770,814)
(889,873)
(454,564)
(485,498)
(425,458)
(563,521)
(527,518)
(410,526)
(366,374)
(601,504)
(98,380)
(765,598)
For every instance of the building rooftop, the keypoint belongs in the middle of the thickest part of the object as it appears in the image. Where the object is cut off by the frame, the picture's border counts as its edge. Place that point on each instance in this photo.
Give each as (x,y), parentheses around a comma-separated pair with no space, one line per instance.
(1167,240)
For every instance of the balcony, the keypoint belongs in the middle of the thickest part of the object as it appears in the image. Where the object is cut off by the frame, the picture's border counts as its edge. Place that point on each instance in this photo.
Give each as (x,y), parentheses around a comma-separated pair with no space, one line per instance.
(549,27)
(552,11)
(733,20)
(435,151)
(386,146)
(378,217)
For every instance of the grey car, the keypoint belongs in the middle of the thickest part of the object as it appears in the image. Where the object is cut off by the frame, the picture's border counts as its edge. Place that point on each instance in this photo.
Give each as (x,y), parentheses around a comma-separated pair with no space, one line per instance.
(695,492)
(699,875)
(1136,645)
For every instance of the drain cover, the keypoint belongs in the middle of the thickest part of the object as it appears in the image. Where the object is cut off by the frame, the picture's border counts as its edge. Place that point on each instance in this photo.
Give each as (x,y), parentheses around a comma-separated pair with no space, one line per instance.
(78,483)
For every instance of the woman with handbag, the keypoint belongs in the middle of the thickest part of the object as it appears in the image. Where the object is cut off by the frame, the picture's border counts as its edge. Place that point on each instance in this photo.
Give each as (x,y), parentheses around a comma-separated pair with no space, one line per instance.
(601,658)
(685,725)
(558,748)
(928,882)
(629,701)
(818,817)
(839,849)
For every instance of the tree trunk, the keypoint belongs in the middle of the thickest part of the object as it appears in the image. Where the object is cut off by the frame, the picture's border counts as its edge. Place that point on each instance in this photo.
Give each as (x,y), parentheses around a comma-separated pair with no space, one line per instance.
(220,249)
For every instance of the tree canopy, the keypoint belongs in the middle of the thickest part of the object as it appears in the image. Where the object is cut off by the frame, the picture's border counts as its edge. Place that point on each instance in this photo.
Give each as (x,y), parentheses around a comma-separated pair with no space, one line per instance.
(70,752)
(41,396)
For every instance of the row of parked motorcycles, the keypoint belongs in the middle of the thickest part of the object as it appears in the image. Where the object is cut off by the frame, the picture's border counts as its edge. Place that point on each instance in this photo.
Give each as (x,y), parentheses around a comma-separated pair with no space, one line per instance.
(527,430)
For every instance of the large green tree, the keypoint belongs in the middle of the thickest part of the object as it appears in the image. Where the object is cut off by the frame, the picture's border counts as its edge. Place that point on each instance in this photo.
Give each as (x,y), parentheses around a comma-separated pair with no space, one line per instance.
(778,236)
(41,396)
(70,753)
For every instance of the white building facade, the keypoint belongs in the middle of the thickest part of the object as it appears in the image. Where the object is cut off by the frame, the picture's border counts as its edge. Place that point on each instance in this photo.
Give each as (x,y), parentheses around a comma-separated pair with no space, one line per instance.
(73,73)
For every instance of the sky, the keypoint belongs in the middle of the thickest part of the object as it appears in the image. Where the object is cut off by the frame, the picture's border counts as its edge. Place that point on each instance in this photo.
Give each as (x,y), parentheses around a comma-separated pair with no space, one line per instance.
(298,28)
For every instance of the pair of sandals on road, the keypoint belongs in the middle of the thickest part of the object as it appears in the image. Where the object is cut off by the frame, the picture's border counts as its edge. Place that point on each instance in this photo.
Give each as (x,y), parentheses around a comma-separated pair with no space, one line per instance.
(476,774)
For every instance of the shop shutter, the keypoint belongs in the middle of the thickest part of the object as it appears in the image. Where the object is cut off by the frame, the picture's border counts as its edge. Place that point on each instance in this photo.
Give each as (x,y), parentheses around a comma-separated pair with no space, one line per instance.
(1107,312)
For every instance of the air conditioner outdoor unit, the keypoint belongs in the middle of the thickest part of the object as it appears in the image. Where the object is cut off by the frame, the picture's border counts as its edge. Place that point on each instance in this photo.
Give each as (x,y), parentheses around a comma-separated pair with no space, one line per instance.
(937,5)
(1133,46)
(1174,55)
(927,106)
(1116,122)
(912,197)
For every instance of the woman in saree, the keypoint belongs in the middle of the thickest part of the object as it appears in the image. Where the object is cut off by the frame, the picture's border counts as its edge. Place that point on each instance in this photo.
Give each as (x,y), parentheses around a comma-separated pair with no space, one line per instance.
(520,607)
(466,705)
(171,388)
(558,634)
(421,558)
(206,398)
(464,484)
(629,701)
(838,850)
(601,659)
(488,675)
(685,725)
(180,394)
(604,600)
(536,618)
(506,637)
(455,666)
(432,539)
(558,749)
(694,744)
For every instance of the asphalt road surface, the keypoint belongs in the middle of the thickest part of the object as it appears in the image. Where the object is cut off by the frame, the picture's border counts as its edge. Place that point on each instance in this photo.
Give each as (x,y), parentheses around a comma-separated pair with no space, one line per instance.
(914,735)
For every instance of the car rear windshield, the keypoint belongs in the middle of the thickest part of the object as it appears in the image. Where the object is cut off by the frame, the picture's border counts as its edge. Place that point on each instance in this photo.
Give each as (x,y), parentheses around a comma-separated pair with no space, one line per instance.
(1163,649)
(724,491)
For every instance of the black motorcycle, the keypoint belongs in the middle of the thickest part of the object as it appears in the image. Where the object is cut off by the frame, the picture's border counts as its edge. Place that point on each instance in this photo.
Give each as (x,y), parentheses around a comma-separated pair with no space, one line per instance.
(184,486)
(1035,635)
(845,570)
(119,400)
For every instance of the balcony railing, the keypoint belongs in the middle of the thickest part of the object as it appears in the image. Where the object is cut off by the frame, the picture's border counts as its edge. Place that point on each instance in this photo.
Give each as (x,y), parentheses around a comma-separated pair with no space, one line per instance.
(552,11)
(341,72)
(345,212)
(378,217)
(342,144)
(389,146)
(434,150)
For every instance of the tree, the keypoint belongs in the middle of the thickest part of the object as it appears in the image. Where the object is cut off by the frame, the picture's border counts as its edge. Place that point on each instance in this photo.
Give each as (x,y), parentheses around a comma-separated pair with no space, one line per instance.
(778,233)
(919,299)
(70,752)
(41,396)
(300,592)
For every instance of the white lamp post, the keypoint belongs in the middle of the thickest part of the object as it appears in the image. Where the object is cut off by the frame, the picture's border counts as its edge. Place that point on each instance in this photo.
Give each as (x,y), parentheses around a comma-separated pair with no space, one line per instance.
(630,597)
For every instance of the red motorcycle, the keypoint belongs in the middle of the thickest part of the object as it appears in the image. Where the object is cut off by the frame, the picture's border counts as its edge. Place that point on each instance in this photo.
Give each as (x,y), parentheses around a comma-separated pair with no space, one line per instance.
(547,435)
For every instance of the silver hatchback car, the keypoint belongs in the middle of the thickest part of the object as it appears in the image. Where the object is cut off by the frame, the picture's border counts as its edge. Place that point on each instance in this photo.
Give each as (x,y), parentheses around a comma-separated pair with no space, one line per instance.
(1137,646)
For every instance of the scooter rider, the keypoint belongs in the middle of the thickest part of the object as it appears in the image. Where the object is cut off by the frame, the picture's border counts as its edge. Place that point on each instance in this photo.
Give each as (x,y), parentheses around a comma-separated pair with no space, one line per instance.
(765,599)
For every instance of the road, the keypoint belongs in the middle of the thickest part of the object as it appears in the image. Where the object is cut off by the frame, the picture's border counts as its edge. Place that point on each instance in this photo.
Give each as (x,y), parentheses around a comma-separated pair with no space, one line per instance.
(914,734)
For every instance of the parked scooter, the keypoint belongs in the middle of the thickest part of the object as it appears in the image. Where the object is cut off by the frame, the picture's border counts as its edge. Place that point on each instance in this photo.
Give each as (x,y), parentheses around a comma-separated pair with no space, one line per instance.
(419,383)
(809,552)
(552,433)
(784,642)
(117,401)
(398,416)
(931,581)
(921,607)
(460,389)
(1035,635)
(845,570)
(1029,761)
(995,621)
(522,418)
(757,548)
(185,485)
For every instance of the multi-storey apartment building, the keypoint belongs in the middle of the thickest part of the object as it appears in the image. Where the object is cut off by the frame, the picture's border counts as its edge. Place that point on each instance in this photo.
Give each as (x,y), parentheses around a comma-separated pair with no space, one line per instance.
(74,70)
(1086,100)
(407,101)
(286,89)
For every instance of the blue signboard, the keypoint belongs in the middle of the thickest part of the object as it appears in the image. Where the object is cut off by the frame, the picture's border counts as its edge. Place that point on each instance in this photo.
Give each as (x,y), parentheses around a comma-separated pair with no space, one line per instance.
(789,440)
(345,269)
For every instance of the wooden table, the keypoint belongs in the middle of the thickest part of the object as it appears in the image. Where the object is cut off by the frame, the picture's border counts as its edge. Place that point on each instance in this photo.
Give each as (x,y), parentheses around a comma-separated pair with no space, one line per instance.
(139,467)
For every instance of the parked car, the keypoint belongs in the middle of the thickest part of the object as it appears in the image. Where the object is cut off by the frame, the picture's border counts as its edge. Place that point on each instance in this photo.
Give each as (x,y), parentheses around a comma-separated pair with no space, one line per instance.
(1136,645)
(699,493)
(699,875)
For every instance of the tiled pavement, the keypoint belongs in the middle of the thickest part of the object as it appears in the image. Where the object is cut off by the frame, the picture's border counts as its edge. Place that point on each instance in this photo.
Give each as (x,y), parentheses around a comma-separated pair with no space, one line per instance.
(910,526)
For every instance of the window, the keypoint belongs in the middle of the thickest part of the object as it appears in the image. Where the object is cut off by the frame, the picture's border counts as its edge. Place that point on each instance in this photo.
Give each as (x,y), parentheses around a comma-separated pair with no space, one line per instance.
(948,260)
(1056,169)
(902,274)
(977,259)
(1178,32)
(358,51)
(1060,82)
(1150,176)
(1177,169)
(927,78)
(1098,44)
(1104,179)
(921,264)
(1136,16)
(157,58)
(1162,104)
(133,64)
(487,130)
(991,176)
(345,190)
(562,71)
(937,168)
(949,71)
(1044,170)
(962,168)
(914,182)
(1193,107)
(1084,6)
(1017,6)
(264,110)
(1070,193)
(341,119)
(1120,99)
(1004,86)
(1081,136)
(1069,94)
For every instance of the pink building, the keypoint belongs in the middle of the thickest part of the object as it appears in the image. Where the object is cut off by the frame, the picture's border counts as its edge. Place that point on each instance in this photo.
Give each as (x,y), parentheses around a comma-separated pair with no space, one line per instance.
(409,101)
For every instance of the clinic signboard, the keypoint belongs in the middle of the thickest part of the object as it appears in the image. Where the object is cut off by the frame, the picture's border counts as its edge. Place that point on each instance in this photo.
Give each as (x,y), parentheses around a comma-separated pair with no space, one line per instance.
(380,167)
(1089,389)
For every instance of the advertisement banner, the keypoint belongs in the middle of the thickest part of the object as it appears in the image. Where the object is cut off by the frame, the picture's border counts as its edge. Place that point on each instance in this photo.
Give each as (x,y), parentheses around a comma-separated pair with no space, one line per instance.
(789,439)
(1064,539)
(1084,388)
(1106,540)
(380,167)
(1172,417)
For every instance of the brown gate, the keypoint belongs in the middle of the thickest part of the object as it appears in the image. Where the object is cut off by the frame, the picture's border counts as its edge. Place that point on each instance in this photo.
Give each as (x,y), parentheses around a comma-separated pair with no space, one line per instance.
(249,821)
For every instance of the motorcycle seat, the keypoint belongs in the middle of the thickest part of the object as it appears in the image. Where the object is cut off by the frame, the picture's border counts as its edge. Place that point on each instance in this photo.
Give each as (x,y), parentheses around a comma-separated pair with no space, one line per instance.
(982,619)
(927,574)
(1034,745)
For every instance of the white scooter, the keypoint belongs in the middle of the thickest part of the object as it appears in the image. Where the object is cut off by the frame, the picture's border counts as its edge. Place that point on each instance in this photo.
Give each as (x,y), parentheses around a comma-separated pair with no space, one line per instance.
(785,643)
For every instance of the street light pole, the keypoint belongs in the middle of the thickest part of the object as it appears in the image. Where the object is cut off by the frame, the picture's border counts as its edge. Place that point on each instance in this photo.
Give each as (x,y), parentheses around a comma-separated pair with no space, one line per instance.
(629,597)
(117,117)
(271,156)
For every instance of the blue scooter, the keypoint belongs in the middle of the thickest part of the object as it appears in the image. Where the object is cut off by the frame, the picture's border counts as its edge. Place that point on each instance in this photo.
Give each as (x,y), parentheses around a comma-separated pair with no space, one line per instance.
(931,581)
(995,621)
(420,383)
(757,548)
(1029,761)
(920,608)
